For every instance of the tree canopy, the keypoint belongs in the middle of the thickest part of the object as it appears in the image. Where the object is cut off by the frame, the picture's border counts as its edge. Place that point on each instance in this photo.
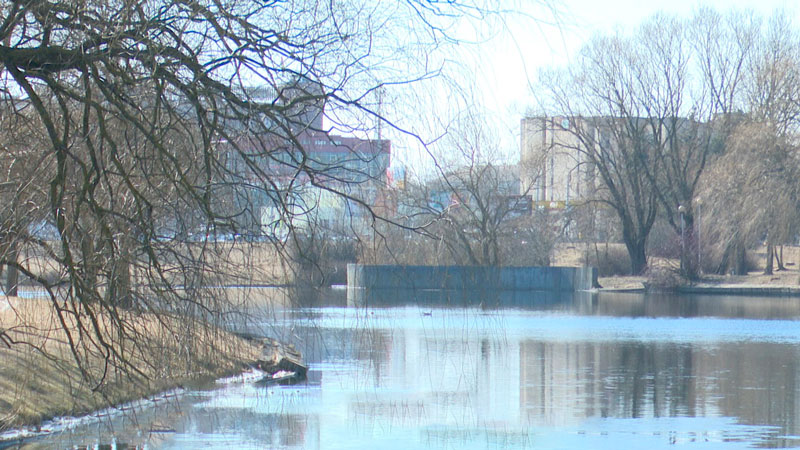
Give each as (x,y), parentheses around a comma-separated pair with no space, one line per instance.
(132,126)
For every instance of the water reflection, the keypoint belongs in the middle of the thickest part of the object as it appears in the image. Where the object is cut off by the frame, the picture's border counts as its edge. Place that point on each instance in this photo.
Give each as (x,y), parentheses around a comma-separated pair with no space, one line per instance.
(755,383)
(485,298)
(618,304)
(666,305)
(602,371)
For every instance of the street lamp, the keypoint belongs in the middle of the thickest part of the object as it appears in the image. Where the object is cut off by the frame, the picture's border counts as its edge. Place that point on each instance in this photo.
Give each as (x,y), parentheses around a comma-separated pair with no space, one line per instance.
(682,210)
(699,202)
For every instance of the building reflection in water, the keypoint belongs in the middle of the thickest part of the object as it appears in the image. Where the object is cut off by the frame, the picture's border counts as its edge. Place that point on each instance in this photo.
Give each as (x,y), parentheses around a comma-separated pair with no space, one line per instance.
(565,381)
(447,376)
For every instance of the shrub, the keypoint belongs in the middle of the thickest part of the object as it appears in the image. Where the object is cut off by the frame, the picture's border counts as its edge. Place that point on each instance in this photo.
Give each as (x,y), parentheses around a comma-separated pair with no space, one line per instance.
(524,241)
(663,241)
(322,259)
(663,278)
(728,257)
(610,259)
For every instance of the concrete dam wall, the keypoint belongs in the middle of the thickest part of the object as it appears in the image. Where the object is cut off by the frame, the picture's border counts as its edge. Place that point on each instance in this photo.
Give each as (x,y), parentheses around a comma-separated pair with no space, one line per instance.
(366,283)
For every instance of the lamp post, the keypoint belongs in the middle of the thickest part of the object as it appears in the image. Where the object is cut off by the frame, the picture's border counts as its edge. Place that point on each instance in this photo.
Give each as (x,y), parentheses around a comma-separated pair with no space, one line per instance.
(682,210)
(698,215)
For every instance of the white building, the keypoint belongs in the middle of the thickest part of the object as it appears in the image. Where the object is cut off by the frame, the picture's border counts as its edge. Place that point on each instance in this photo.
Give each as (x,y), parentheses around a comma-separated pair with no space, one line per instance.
(552,165)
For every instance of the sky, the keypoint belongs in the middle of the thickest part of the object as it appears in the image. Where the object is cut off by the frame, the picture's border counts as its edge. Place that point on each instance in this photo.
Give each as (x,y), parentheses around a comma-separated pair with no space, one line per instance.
(524,48)
(505,65)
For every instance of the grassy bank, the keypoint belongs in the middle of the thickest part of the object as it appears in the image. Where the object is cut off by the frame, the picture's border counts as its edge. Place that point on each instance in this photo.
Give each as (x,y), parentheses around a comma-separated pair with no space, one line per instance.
(613,275)
(40,377)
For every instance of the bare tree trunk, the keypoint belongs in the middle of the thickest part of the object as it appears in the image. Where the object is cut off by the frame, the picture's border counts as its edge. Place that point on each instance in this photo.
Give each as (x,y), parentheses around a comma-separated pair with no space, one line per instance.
(119,277)
(779,258)
(124,283)
(740,259)
(689,249)
(636,251)
(770,259)
(120,284)
(12,276)
(90,268)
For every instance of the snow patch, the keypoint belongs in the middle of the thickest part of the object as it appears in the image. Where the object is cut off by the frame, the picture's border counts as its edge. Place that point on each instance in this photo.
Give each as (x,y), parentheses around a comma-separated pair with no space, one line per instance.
(66,423)
(248,376)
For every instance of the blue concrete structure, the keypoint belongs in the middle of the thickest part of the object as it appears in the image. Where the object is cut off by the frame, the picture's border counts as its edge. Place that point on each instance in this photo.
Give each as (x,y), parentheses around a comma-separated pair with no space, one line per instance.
(386,281)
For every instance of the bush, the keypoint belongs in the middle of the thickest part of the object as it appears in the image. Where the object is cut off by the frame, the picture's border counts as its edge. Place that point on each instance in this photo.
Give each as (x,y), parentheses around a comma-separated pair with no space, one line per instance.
(527,241)
(393,245)
(663,241)
(663,278)
(322,259)
(523,241)
(610,259)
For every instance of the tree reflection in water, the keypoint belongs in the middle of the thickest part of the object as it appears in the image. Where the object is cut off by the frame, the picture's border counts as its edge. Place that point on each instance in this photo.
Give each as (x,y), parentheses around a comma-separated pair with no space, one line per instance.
(584,372)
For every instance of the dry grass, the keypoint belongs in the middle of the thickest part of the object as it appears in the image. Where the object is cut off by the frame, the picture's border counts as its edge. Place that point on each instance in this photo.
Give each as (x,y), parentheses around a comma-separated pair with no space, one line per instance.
(40,377)
(574,255)
(227,263)
(569,255)
(784,278)
(264,263)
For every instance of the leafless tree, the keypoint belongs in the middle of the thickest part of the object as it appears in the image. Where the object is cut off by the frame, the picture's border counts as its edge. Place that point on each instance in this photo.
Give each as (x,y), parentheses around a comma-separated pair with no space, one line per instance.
(752,191)
(476,207)
(700,91)
(666,97)
(604,118)
(752,196)
(22,192)
(149,124)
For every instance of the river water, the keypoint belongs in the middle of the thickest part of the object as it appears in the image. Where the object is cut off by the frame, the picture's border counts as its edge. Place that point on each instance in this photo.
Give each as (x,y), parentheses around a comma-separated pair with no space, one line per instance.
(604,371)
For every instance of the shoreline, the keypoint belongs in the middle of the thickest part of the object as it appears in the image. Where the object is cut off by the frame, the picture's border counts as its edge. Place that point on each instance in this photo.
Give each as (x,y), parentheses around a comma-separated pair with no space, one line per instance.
(784,284)
(754,291)
(41,381)
(60,424)
(140,396)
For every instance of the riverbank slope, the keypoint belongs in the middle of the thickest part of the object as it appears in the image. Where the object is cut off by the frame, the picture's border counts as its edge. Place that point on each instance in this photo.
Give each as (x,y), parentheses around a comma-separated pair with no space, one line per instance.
(40,378)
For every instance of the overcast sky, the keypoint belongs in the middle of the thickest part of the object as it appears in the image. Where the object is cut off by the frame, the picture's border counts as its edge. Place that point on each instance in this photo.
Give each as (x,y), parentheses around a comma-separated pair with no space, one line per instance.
(505,63)
(521,51)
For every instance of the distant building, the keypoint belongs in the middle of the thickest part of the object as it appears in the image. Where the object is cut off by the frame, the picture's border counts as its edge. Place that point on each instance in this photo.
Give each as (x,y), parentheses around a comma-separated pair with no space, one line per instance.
(497,185)
(306,144)
(304,172)
(302,100)
(553,169)
(283,171)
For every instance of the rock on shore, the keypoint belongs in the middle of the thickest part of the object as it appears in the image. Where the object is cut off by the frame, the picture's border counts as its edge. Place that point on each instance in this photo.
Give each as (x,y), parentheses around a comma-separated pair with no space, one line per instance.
(281,359)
